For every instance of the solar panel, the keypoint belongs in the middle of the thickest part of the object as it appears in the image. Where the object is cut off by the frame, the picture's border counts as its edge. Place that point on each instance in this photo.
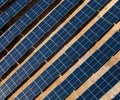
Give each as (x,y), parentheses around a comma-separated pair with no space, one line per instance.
(102,85)
(22,23)
(90,66)
(14,54)
(45,52)
(36,35)
(12,10)
(58,67)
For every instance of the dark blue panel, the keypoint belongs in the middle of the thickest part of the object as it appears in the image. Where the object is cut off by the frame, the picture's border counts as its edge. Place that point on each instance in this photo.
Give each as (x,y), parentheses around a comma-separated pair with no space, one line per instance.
(57,39)
(76,22)
(51,45)
(87,11)
(95,5)
(53,71)
(108,17)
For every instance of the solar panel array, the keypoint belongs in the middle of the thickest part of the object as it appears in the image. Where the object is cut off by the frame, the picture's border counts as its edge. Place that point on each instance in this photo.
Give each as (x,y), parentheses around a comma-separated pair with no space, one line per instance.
(104,84)
(12,11)
(18,66)
(22,23)
(89,67)
(28,42)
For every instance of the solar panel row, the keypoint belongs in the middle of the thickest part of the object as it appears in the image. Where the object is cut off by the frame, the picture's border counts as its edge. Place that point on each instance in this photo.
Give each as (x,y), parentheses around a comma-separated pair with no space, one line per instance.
(56,68)
(23,22)
(82,73)
(57,40)
(36,34)
(117,97)
(12,11)
(102,85)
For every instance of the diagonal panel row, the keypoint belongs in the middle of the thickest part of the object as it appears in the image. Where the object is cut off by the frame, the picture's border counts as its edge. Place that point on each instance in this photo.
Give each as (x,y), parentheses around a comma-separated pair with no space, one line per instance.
(102,85)
(89,67)
(12,10)
(36,35)
(66,60)
(49,48)
(23,22)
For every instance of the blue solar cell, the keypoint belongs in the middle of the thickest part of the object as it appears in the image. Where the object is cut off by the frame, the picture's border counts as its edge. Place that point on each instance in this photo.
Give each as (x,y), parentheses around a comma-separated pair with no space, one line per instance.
(6,18)
(21,49)
(25,20)
(76,22)
(73,54)
(70,27)
(4,88)
(53,71)
(61,9)
(66,59)
(91,36)
(66,85)
(57,39)
(28,44)
(51,45)
(32,14)
(20,24)
(10,11)
(95,5)
(44,5)
(107,17)
(56,15)
(70,5)
(16,7)
(88,11)
(50,20)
